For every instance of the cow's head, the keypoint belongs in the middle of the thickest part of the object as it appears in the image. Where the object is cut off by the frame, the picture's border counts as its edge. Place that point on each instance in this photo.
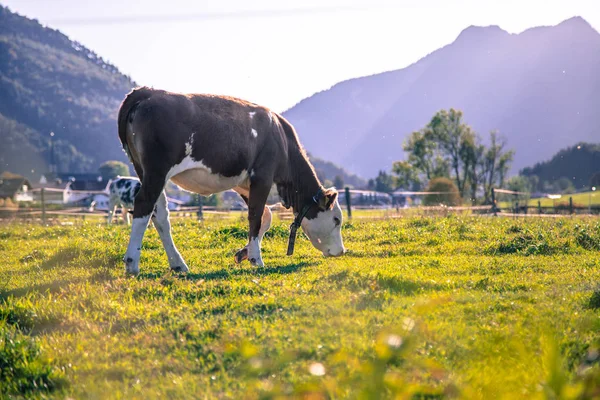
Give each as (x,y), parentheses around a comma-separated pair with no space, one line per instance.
(324,227)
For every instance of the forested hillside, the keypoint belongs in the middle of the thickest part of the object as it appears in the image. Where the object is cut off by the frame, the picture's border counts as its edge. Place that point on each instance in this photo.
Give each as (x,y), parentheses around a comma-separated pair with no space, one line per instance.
(49,83)
(578,164)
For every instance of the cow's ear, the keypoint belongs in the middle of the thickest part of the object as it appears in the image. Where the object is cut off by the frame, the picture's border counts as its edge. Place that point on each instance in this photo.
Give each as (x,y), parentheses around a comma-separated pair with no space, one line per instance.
(328,200)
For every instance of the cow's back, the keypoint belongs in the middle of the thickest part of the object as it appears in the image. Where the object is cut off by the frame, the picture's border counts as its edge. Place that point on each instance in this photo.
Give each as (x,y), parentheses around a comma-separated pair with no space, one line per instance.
(224,133)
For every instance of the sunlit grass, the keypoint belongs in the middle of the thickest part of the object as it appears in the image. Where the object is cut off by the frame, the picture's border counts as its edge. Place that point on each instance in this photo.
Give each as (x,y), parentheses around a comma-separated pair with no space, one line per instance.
(446,307)
(584,199)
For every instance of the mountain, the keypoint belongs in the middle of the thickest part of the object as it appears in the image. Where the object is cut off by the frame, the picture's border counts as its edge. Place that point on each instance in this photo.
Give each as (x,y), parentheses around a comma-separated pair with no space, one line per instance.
(576,163)
(326,170)
(539,88)
(49,83)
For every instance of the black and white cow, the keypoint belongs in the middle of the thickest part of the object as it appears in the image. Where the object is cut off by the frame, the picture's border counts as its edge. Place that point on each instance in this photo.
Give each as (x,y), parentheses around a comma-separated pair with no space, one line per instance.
(207,144)
(121,193)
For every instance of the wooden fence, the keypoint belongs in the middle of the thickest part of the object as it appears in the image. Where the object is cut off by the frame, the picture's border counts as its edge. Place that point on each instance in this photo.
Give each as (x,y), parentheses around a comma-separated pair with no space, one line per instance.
(54,214)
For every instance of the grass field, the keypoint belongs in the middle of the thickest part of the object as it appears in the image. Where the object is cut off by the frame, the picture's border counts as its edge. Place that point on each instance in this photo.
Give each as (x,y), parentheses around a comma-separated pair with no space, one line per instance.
(446,307)
(584,199)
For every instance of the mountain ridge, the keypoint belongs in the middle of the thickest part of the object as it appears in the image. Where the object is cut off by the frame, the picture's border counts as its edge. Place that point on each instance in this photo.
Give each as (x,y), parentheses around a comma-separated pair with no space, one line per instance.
(495,77)
(50,83)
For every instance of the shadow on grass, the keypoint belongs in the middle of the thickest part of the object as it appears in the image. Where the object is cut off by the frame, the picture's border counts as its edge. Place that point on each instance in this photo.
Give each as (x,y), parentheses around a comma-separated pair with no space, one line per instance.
(67,256)
(225,273)
(55,286)
(52,287)
(357,282)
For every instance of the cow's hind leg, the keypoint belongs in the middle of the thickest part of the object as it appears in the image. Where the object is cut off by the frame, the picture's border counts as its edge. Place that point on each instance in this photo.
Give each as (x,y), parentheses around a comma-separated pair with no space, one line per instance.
(160,218)
(112,208)
(146,199)
(265,224)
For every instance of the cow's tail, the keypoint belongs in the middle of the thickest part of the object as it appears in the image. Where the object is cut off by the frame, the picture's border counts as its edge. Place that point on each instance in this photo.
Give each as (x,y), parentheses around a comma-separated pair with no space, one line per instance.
(133,98)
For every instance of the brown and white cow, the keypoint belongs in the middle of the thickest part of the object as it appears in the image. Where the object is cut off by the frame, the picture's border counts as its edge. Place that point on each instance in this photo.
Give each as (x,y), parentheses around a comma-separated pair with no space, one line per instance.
(207,144)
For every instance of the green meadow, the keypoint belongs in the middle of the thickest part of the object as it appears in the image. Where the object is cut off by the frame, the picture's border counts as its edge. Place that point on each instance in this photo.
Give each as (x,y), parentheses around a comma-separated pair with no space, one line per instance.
(585,199)
(419,307)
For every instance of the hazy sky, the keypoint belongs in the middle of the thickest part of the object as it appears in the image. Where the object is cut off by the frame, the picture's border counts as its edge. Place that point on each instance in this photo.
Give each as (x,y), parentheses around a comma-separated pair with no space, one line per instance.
(277,52)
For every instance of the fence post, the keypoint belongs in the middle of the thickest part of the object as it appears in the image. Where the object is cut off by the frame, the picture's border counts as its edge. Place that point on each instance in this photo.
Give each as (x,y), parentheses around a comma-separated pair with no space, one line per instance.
(571,205)
(539,207)
(348,202)
(43,207)
(494,208)
(200,213)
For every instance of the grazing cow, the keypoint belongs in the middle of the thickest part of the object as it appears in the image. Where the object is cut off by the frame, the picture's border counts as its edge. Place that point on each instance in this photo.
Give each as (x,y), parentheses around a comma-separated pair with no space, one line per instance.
(207,144)
(121,193)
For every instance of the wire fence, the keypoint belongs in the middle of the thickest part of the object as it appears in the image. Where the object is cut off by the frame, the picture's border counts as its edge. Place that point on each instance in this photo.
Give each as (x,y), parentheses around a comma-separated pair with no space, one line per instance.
(514,206)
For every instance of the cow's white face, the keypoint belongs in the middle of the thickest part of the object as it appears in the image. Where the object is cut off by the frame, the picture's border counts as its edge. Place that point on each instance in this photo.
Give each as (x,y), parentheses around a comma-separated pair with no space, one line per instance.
(325,231)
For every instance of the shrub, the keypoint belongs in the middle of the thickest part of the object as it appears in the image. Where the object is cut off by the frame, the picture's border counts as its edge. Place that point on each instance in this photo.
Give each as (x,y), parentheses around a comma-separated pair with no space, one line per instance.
(450,197)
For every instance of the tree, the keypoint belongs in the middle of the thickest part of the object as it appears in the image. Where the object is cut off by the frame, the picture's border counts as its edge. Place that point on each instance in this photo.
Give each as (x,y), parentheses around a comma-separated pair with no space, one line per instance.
(595,180)
(338,182)
(457,142)
(448,147)
(564,185)
(424,156)
(382,183)
(446,193)
(519,184)
(577,163)
(494,164)
(111,169)
(534,182)
(406,175)
(471,156)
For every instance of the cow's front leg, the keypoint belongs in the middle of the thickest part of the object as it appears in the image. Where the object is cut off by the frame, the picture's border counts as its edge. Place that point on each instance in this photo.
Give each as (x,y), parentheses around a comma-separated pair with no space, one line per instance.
(259,192)
(125,214)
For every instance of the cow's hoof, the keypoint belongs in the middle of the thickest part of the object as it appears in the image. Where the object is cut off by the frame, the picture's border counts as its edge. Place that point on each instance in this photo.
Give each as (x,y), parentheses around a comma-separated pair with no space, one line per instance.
(241,255)
(180,268)
(132,270)
(131,266)
(257,262)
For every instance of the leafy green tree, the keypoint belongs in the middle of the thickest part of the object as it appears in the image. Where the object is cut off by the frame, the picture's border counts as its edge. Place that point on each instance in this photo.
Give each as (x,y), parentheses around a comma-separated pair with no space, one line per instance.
(382,183)
(564,185)
(519,184)
(577,163)
(421,149)
(595,180)
(424,156)
(445,192)
(406,175)
(110,169)
(338,182)
(494,163)
(456,140)
(534,182)
(447,147)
